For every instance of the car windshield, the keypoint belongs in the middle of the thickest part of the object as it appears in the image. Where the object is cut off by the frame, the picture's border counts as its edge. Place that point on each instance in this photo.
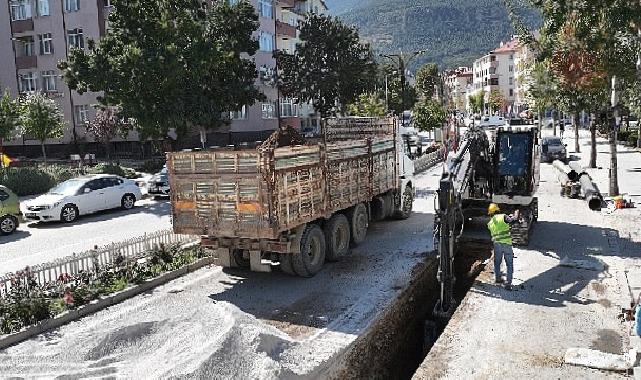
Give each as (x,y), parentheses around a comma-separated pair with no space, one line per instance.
(69,187)
(554,141)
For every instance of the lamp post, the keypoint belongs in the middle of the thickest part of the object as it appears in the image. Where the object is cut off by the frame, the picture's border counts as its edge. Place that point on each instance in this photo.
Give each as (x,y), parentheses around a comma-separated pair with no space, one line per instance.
(401,61)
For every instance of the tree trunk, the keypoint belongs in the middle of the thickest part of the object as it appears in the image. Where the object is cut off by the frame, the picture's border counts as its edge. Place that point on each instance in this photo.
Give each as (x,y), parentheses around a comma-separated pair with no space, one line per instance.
(108,150)
(554,123)
(44,151)
(577,146)
(614,172)
(593,141)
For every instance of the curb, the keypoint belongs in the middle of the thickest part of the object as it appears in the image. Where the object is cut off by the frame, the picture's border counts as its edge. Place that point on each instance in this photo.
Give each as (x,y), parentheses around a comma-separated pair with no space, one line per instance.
(97,305)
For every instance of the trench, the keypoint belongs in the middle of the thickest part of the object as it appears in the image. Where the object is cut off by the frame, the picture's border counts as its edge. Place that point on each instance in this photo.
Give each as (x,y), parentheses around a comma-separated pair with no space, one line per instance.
(398,341)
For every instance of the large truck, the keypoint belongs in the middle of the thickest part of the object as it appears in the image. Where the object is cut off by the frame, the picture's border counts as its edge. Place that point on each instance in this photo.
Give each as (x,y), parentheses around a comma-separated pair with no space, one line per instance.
(293,202)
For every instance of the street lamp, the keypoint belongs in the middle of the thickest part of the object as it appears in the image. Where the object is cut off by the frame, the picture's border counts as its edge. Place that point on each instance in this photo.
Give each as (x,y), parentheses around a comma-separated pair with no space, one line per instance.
(401,61)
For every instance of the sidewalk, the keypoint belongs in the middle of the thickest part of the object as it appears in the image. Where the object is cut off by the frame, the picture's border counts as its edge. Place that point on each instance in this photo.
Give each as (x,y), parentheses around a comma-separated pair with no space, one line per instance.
(571,283)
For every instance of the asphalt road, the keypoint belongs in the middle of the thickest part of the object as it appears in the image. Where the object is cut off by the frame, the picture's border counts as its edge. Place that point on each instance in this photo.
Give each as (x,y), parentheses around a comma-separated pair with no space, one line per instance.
(36,243)
(236,324)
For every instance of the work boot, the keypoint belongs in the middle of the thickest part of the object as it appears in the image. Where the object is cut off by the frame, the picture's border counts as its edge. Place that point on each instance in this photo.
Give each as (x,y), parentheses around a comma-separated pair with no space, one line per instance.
(499,280)
(508,286)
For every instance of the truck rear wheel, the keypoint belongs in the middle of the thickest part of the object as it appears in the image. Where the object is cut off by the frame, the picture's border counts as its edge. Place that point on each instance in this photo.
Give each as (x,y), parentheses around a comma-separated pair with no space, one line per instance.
(358,221)
(310,258)
(337,237)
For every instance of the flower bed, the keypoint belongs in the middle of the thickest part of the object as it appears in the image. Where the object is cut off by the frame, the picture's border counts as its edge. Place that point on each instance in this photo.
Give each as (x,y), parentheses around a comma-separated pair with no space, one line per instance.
(29,303)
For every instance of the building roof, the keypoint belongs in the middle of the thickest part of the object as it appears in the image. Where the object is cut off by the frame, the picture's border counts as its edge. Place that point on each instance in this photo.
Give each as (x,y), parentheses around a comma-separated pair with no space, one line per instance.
(507,47)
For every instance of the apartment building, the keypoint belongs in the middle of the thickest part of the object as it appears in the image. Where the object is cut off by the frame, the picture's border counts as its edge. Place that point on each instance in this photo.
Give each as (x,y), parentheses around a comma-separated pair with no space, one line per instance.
(496,71)
(40,33)
(34,36)
(524,63)
(458,82)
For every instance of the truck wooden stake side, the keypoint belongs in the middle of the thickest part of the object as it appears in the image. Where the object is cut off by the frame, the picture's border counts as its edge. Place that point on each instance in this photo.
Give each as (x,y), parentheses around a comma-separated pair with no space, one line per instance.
(290,202)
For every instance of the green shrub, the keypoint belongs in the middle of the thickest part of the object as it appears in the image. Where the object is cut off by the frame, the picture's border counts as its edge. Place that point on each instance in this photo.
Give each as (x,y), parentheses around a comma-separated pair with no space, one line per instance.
(633,138)
(115,170)
(37,180)
(623,135)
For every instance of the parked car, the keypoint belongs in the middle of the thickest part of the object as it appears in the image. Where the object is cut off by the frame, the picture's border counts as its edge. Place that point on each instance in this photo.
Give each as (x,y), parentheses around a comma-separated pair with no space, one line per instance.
(9,211)
(552,148)
(158,185)
(82,196)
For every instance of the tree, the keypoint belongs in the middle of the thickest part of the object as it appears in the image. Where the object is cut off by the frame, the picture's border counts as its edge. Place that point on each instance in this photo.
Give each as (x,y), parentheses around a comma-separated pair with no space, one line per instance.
(428,115)
(181,66)
(330,67)
(390,78)
(369,105)
(596,40)
(42,119)
(107,125)
(477,101)
(632,99)
(426,80)
(496,101)
(9,120)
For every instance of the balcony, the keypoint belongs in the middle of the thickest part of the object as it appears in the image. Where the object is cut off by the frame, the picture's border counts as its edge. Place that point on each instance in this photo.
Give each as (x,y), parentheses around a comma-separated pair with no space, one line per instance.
(287,3)
(285,29)
(27,62)
(21,26)
(494,64)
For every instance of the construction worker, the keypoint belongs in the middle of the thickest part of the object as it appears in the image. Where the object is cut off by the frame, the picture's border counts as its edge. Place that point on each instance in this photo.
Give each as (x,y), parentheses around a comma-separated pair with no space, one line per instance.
(499,226)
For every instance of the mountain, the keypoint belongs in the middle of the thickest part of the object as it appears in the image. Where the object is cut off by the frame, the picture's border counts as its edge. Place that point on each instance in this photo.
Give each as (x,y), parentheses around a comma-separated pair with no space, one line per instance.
(454,32)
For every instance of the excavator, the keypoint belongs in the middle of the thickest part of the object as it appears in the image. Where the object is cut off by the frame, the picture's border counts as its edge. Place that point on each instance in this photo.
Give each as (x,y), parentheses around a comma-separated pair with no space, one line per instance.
(496,164)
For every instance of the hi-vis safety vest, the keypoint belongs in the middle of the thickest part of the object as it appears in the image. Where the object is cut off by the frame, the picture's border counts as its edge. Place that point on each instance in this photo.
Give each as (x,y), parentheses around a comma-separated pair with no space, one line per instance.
(500,230)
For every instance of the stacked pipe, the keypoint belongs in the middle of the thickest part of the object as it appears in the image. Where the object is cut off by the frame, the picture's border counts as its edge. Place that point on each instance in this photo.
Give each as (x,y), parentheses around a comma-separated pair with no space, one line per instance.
(574,173)
(568,179)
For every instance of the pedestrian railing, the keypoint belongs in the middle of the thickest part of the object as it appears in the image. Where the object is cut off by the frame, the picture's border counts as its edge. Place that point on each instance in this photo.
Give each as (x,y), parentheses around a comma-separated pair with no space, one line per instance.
(95,259)
(426,161)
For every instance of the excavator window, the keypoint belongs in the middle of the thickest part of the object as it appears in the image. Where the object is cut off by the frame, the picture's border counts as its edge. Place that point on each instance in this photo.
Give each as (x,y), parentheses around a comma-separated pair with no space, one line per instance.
(514,161)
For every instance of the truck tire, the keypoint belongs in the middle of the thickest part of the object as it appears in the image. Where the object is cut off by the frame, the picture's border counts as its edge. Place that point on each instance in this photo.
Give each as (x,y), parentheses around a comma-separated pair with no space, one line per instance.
(310,258)
(286,263)
(358,222)
(378,209)
(406,206)
(337,237)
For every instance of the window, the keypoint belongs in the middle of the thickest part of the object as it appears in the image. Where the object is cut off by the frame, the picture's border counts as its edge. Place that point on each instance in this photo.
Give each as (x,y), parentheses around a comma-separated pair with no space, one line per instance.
(20,10)
(511,57)
(511,92)
(75,38)
(72,5)
(3,196)
(46,43)
(106,3)
(82,114)
(511,81)
(511,68)
(239,115)
(43,7)
(49,81)
(269,110)
(266,41)
(28,82)
(288,108)
(27,48)
(266,8)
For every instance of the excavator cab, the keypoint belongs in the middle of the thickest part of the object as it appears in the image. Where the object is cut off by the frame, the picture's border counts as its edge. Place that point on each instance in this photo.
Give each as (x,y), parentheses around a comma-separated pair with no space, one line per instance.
(513,167)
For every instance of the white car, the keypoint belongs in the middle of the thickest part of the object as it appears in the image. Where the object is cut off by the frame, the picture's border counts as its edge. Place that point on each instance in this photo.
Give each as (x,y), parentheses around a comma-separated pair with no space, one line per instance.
(82,196)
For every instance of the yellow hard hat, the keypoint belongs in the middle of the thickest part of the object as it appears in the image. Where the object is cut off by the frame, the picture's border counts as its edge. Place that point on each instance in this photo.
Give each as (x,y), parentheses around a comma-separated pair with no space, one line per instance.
(493,209)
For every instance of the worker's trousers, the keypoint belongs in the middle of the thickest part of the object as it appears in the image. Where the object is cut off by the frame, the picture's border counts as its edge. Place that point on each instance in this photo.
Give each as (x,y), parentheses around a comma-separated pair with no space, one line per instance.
(503,251)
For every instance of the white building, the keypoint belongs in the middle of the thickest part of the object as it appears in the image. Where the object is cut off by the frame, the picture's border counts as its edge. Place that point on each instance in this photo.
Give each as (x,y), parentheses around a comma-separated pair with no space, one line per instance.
(496,72)
(458,81)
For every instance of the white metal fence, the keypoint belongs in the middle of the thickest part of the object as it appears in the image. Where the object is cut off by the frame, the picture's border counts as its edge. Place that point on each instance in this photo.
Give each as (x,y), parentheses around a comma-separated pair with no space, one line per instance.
(94,259)
(426,161)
